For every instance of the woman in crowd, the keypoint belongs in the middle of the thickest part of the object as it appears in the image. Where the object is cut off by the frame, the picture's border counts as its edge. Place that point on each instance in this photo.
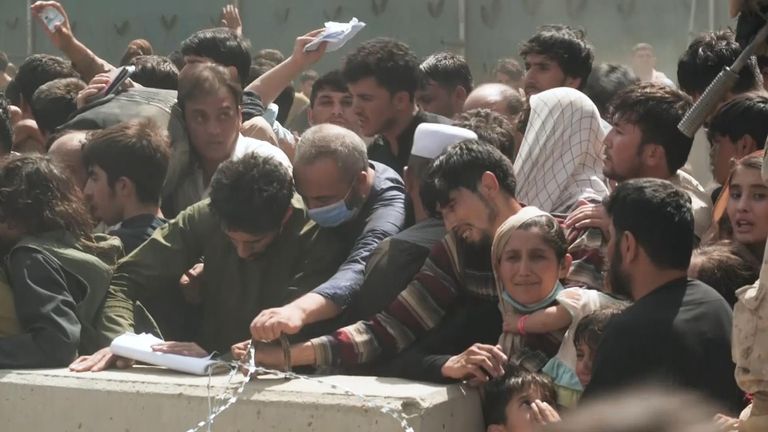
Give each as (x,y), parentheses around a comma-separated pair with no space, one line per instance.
(529,260)
(559,161)
(57,283)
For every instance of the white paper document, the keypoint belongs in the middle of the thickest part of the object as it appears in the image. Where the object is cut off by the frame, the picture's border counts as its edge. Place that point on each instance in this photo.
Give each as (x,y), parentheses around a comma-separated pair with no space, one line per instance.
(139,348)
(336,34)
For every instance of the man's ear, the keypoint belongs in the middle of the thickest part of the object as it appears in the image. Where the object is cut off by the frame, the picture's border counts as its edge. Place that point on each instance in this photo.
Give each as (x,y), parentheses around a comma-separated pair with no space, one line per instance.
(572,82)
(746,145)
(655,156)
(565,266)
(124,187)
(629,247)
(488,183)
(460,95)
(402,100)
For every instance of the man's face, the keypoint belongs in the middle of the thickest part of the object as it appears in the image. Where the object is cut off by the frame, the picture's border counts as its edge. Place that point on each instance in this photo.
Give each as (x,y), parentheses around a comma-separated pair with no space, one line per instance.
(250,246)
(321,183)
(436,99)
(333,107)
(213,124)
(621,153)
(543,73)
(373,105)
(722,150)
(470,215)
(643,60)
(618,278)
(102,199)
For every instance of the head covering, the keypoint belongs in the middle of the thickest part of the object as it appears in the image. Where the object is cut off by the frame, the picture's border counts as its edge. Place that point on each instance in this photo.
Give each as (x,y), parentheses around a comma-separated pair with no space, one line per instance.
(508,341)
(430,139)
(560,159)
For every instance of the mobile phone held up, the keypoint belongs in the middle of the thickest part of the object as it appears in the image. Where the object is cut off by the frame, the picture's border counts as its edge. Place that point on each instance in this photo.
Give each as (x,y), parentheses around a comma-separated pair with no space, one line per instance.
(51,17)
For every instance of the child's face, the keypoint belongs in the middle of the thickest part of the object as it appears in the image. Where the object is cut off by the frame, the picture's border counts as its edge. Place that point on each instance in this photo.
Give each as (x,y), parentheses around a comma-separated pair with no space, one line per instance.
(519,414)
(584,357)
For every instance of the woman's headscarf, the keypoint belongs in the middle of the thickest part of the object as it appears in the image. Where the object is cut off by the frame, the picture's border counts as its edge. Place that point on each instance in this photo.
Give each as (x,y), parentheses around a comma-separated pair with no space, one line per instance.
(509,342)
(560,159)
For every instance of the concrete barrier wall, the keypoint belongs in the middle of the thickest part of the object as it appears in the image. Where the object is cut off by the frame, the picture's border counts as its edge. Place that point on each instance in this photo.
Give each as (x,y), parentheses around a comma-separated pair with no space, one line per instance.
(153,399)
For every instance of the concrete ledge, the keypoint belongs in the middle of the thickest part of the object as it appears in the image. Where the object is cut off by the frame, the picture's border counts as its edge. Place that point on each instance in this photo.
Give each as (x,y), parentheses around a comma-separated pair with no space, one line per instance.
(155,399)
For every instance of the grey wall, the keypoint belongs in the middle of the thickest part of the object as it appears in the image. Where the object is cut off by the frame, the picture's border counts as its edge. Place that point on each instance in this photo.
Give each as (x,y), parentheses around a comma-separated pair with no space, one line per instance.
(613,25)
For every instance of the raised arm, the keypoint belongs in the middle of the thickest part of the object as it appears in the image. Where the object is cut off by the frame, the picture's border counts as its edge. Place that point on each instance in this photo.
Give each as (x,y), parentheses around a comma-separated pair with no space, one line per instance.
(85,62)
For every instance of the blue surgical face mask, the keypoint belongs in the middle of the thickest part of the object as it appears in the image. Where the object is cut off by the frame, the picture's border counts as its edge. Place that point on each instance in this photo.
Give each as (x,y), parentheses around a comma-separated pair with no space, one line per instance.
(334,214)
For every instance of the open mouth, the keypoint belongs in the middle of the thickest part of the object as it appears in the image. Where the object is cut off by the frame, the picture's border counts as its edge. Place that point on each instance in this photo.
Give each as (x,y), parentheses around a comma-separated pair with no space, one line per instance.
(741,225)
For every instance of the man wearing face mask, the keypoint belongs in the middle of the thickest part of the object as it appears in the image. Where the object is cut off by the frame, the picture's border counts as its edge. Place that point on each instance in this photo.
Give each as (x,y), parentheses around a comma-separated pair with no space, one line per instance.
(355,201)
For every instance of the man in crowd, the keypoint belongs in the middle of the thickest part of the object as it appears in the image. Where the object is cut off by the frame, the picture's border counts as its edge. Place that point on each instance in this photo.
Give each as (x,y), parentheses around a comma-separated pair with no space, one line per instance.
(606,81)
(54,102)
(678,331)
(258,251)
(501,99)
(383,75)
(209,99)
(645,142)
(357,201)
(556,56)
(702,61)
(331,102)
(398,258)
(127,164)
(509,72)
(644,65)
(445,84)
(737,129)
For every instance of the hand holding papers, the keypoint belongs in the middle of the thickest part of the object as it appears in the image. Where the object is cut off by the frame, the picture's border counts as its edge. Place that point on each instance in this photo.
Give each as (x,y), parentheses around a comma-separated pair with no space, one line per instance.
(139,347)
(336,34)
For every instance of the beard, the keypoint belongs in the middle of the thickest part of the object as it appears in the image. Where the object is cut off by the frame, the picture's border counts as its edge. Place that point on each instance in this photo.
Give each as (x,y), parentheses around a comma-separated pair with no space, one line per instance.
(618,278)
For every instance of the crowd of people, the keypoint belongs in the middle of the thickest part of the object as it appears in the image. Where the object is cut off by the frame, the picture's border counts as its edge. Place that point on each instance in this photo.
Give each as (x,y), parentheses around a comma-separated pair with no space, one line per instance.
(538,236)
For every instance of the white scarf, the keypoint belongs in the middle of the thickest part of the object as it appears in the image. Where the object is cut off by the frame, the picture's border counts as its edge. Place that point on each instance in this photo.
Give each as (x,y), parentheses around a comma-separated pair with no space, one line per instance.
(560,159)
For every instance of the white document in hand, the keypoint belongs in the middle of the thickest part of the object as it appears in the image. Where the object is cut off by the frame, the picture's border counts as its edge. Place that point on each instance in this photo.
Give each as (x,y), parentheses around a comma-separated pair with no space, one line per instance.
(139,347)
(336,34)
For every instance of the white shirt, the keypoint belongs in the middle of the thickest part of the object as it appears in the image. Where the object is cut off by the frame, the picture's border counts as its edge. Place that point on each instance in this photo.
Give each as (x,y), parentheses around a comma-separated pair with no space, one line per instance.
(191,189)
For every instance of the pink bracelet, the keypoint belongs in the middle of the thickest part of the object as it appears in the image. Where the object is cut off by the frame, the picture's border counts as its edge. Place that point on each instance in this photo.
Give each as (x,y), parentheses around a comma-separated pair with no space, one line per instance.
(521,324)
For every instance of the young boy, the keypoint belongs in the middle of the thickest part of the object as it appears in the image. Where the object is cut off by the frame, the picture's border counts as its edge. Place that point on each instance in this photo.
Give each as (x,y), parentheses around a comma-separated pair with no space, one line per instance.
(518,401)
(587,337)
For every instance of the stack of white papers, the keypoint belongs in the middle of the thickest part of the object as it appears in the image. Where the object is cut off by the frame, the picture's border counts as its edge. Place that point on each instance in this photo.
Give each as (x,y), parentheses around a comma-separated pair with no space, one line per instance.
(139,348)
(336,34)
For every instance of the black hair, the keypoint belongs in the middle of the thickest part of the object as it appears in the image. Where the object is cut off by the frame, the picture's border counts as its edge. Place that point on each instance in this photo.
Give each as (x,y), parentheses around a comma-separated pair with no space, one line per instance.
(223,46)
(491,128)
(725,266)
(462,166)
(6,135)
(705,58)
(136,150)
(391,63)
(251,194)
(271,55)
(285,102)
(656,110)
(201,80)
(660,218)
(742,115)
(39,69)
(177,58)
(258,68)
(590,330)
(515,381)
(448,70)
(331,81)
(54,102)
(605,82)
(564,45)
(155,71)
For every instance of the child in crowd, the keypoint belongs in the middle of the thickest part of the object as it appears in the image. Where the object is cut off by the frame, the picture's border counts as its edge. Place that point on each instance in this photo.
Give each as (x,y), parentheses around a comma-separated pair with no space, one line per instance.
(57,283)
(725,266)
(529,259)
(748,205)
(518,401)
(586,339)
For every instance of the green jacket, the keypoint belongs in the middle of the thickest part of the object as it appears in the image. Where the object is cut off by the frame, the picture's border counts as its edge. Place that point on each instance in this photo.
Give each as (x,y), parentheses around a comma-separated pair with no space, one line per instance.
(234,290)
